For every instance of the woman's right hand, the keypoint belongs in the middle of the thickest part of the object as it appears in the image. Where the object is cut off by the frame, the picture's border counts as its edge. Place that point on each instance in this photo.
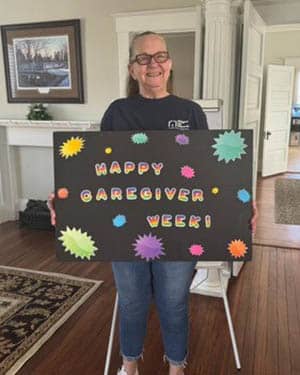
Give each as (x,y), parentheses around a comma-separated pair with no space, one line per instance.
(51,207)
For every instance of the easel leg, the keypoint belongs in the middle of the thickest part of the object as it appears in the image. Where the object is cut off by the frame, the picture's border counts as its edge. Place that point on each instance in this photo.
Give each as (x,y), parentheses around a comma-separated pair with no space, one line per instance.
(231,330)
(111,336)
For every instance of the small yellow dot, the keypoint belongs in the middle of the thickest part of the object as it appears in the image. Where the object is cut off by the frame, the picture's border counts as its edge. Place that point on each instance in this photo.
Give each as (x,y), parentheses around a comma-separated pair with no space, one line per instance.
(108,150)
(215,190)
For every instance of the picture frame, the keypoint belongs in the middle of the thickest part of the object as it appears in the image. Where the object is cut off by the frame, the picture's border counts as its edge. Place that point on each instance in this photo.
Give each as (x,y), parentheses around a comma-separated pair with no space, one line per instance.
(42,62)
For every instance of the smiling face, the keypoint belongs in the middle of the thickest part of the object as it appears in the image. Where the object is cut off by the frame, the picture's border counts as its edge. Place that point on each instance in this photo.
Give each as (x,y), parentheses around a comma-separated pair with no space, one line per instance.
(153,77)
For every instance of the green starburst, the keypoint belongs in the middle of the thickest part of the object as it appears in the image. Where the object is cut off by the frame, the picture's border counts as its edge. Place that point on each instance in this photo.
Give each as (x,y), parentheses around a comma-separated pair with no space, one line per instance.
(79,244)
(229,146)
(139,138)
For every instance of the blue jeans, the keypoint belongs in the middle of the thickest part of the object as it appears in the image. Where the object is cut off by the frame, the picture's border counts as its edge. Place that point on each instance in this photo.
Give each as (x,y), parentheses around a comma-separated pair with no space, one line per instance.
(168,283)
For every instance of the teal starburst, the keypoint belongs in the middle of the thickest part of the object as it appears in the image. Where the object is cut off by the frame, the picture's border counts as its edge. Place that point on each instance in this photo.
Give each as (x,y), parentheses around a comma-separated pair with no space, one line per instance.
(139,138)
(229,146)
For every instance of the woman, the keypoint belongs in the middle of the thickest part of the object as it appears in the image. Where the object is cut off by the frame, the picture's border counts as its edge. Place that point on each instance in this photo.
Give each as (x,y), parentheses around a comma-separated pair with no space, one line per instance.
(151,106)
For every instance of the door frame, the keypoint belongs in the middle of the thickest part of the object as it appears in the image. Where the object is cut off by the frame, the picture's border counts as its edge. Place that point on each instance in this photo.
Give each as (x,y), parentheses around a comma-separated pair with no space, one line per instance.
(252,23)
(178,20)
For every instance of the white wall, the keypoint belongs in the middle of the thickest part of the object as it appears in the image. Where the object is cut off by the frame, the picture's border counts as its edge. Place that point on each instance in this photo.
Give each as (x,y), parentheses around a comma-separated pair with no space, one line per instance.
(282,45)
(279,45)
(99,48)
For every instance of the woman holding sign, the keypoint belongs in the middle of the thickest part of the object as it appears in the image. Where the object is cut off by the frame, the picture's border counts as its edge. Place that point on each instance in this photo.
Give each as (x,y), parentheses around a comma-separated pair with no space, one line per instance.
(151,106)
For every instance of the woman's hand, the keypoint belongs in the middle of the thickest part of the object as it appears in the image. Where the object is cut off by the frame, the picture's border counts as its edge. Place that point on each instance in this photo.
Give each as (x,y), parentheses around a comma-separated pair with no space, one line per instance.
(51,207)
(254,217)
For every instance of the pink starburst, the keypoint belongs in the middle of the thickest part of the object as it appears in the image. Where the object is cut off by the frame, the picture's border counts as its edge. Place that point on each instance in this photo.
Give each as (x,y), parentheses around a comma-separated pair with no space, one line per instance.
(148,247)
(196,249)
(187,171)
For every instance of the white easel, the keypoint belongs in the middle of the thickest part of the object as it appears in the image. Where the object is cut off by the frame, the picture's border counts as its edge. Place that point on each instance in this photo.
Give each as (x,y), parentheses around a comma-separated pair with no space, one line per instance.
(221,269)
(217,274)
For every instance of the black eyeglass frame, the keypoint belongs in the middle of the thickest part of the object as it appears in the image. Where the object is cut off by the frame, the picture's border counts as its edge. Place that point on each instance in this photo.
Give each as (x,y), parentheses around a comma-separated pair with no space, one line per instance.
(150,57)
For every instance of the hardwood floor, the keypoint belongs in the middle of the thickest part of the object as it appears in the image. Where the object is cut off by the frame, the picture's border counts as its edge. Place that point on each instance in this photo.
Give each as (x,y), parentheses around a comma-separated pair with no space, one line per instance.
(264,302)
(294,159)
(269,233)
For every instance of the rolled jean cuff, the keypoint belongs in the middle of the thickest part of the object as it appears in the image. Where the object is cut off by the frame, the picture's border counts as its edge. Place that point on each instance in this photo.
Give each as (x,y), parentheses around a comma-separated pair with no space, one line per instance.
(132,358)
(176,363)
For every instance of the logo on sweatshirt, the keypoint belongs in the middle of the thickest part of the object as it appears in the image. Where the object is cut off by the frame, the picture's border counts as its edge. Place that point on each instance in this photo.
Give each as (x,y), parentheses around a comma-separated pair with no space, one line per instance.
(179,124)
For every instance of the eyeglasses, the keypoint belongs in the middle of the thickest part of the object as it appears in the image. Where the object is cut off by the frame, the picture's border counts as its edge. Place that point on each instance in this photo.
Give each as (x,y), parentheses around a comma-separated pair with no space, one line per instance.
(145,58)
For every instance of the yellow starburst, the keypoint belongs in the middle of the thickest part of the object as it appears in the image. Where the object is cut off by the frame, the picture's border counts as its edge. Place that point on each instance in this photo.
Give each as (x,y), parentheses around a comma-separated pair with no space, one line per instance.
(71,147)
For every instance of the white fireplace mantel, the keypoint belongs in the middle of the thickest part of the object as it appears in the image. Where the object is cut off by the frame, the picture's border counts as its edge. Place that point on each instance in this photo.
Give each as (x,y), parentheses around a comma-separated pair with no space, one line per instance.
(40,133)
(25,154)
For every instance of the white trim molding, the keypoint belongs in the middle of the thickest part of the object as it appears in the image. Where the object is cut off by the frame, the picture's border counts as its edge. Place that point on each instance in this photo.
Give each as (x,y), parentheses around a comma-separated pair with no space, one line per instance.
(282,28)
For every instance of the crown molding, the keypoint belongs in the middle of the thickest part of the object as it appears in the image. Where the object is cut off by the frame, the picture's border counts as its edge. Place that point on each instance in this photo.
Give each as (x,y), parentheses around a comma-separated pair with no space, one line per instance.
(282,28)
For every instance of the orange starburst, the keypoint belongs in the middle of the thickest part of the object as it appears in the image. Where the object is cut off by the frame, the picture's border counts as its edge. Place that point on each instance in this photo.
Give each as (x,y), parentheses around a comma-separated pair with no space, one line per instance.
(237,248)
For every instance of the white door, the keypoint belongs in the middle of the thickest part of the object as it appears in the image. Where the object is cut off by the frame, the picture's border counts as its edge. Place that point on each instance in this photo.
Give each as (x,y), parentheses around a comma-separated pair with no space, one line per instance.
(252,78)
(277,118)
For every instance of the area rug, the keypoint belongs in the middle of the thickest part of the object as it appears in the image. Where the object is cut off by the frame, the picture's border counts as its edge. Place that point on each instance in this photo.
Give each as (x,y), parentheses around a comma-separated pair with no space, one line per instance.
(287,201)
(33,305)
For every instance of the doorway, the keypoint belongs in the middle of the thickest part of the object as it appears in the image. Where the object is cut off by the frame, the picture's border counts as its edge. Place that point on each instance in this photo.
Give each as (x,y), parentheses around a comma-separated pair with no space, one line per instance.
(181,47)
(182,28)
(280,50)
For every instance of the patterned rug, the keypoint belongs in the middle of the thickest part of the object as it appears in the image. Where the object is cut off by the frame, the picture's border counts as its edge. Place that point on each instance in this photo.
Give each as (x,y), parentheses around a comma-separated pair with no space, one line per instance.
(287,201)
(33,305)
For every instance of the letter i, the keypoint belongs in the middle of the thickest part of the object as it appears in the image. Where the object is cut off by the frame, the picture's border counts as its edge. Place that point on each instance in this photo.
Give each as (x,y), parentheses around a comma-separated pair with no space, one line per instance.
(207,221)
(158,194)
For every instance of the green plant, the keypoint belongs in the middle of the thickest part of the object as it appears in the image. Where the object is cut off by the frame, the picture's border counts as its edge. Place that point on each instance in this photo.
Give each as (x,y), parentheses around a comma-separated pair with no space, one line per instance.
(38,112)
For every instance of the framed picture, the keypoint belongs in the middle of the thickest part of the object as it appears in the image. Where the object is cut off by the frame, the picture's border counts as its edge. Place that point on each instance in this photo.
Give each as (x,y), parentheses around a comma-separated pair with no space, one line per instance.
(43,62)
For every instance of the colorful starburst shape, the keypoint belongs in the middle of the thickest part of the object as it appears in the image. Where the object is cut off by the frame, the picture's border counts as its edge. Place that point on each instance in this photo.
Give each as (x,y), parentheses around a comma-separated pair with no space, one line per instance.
(62,193)
(79,244)
(229,146)
(243,195)
(187,172)
(71,147)
(148,247)
(182,139)
(237,248)
(139,138)
(196,249)
(119,221)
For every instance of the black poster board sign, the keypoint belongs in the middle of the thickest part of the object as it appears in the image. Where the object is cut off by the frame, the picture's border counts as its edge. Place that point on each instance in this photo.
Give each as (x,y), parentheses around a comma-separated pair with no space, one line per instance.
(154,195)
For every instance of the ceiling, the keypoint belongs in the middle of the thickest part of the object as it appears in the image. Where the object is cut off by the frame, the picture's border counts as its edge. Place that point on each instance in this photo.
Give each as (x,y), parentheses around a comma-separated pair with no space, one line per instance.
(278,12)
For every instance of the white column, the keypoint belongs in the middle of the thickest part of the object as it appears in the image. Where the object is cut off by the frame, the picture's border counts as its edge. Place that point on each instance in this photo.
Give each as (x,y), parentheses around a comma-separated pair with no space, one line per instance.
(219,50)
(7,180)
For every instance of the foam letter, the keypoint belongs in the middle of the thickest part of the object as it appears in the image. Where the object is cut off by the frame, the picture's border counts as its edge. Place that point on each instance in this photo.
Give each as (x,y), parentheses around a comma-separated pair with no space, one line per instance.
(157,167)
(116,193)
(86,196)
(115,168)
(101,169)
(101,195)
(153,221)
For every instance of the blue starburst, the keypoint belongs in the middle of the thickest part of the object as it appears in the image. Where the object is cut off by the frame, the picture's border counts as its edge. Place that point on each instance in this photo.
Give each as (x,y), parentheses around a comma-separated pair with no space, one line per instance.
(243,195)
(119,221)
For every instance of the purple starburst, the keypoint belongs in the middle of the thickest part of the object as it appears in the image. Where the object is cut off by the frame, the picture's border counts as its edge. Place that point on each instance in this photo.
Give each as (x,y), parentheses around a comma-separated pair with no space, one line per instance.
(182,139)
(148,247)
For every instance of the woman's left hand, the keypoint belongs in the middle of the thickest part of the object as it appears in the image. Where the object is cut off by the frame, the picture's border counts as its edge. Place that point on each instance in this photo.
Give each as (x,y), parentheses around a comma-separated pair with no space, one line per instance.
(254,217)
